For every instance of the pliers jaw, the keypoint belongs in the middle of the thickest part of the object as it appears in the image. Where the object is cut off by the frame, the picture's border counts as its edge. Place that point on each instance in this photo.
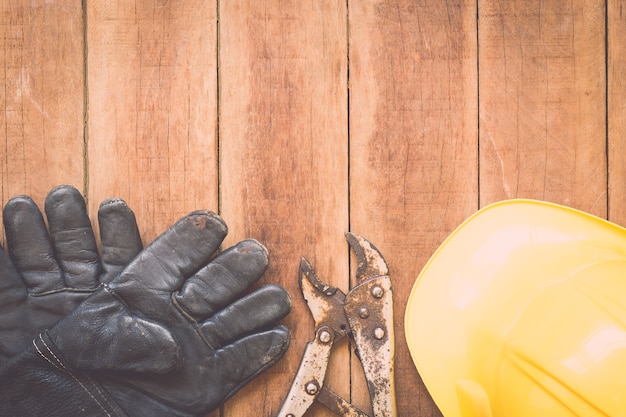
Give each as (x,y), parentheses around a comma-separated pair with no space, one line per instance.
(365,315)
(325,302)
(370,263)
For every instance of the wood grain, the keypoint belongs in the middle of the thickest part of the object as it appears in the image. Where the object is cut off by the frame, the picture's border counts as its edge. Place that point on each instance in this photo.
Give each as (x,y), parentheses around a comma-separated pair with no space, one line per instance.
(152,69)
(284,160)
(616,102)
(42,90)
(413,146)
(542,102)
(299,120)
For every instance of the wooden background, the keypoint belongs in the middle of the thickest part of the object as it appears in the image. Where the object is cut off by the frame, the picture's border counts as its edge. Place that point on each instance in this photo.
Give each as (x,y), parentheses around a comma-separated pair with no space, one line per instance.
(298,120)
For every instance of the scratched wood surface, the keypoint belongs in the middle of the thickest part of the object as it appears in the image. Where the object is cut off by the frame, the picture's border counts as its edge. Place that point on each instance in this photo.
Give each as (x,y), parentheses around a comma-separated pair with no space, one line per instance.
(413,149)
(152,118)
(616,113)
(300,120)
(42,94)
(284,159)
(543,102)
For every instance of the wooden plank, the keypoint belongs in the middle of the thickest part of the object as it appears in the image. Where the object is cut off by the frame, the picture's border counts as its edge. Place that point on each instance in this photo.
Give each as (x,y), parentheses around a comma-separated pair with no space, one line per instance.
(542,102)
(41,90)
(152,70)
(616,33)
(413,146)
(283,163)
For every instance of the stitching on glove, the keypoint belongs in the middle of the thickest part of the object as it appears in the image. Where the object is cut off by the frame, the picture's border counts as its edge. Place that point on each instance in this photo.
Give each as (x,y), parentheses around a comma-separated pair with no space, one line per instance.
(193,321)
(61,366)
(115,295)
(77,290)
(182,310)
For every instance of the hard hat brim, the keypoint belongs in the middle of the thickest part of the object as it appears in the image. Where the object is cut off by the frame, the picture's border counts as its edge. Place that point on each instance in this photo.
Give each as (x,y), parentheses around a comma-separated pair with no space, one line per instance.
(476,284)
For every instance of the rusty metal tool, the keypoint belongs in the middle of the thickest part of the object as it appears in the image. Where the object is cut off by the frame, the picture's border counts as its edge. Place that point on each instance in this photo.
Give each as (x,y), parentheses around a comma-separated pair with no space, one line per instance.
(365,316)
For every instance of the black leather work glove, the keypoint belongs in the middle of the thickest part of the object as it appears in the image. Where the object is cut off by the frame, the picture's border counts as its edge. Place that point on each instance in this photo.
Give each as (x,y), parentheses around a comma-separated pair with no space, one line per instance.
(45,275)
(175,334)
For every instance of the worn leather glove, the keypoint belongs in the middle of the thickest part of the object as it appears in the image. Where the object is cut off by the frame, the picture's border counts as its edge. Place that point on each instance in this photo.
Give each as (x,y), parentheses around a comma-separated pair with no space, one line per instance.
(45,275)
(173,335)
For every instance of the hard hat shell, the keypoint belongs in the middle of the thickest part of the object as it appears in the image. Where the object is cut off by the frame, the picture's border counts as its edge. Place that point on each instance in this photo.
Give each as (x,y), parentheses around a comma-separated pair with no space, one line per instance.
(522,312)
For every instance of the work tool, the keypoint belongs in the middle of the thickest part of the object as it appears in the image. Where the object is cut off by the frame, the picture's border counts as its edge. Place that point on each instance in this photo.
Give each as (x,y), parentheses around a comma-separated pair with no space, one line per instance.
(365,317)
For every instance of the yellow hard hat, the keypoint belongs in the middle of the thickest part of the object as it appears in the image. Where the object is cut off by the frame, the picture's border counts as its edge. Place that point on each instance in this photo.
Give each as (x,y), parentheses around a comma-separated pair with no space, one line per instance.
(522,312)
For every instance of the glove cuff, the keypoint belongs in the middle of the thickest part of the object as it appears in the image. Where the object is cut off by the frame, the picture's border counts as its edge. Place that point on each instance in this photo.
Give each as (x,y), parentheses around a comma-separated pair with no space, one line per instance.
(39,382)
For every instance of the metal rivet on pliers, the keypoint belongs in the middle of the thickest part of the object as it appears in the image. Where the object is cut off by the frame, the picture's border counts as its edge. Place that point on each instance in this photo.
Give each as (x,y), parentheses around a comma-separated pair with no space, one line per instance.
(325,336)
(379,333)
(312,387)
(377,292)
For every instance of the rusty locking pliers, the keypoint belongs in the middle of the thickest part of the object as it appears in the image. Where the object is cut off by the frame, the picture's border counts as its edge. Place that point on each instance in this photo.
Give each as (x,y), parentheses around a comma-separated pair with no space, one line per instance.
(365,315)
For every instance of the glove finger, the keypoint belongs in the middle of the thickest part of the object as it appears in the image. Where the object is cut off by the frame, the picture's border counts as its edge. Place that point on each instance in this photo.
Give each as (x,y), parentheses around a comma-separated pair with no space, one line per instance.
(29,246)
(240,362)
(72,237)
(257,311)
(119,237)
(178,253)
(222,280)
